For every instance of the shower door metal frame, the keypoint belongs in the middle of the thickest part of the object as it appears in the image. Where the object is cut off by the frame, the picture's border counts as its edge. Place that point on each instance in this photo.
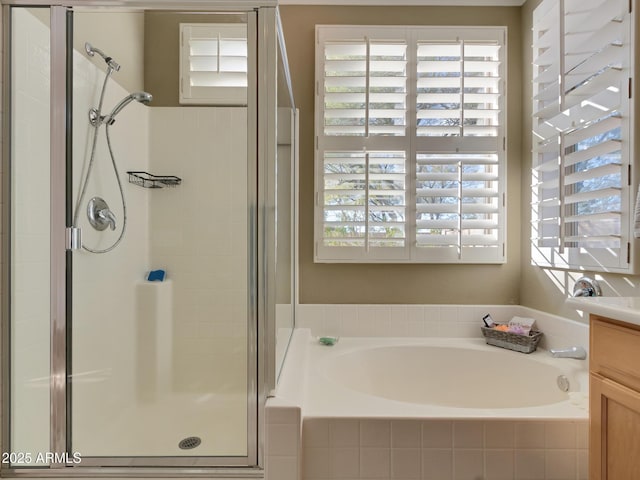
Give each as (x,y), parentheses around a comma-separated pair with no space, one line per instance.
(5,240)
(261,155)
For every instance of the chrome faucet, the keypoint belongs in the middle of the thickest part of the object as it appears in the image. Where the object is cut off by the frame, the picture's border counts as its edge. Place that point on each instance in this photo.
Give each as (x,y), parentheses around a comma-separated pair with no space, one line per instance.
(107,216)
(576,352)
(587,287)
(100,215)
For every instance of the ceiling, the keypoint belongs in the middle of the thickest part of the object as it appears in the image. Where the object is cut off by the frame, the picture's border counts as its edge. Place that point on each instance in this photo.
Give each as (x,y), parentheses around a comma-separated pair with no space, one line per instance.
(450,3)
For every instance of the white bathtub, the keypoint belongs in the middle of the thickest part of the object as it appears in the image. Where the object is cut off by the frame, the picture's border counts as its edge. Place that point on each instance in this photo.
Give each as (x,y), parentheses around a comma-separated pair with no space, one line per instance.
(436,408)
(431,378)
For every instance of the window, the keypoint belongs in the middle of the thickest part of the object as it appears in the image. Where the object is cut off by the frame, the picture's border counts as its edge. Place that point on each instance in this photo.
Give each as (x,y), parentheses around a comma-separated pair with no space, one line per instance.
(410,144)
(581,172)
(213,63)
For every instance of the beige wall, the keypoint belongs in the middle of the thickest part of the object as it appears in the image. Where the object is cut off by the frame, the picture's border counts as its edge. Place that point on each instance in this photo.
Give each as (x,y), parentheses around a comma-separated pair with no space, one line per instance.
(545,288)
(119,35)
(420,283)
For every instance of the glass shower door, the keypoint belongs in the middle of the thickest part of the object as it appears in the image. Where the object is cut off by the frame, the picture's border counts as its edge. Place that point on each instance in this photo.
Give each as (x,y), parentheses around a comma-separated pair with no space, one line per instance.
(161,315)
(149,241)
(29,281)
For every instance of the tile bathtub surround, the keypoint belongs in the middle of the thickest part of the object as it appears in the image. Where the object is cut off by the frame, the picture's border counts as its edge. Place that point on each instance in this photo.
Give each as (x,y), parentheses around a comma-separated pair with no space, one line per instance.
(404,449)
(283,436)
(432,321)
(352,449)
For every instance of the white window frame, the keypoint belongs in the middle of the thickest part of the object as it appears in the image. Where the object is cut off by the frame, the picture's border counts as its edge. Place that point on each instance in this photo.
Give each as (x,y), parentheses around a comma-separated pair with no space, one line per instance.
(412,145)
(559,122)
(191,94)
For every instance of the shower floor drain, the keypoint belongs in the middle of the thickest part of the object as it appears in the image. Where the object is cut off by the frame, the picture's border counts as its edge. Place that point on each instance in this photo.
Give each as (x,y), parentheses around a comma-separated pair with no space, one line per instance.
(189,443)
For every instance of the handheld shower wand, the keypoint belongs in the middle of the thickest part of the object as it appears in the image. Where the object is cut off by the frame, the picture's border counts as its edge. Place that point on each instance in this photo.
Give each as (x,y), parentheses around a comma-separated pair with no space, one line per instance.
(142,97)
(96,119)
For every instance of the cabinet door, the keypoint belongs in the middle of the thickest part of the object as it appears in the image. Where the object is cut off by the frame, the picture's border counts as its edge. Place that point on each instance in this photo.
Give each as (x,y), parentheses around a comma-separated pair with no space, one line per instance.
(614,431)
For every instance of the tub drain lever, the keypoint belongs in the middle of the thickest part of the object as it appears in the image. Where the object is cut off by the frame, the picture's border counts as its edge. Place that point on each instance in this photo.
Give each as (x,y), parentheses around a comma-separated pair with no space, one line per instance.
(563,383)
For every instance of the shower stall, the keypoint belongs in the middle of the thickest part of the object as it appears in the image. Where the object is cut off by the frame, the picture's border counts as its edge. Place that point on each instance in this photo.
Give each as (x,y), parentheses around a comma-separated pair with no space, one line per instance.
(148,244)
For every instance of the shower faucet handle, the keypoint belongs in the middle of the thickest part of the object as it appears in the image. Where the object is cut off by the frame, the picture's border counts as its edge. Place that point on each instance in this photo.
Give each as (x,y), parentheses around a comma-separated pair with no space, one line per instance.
(107,215)
(100,215)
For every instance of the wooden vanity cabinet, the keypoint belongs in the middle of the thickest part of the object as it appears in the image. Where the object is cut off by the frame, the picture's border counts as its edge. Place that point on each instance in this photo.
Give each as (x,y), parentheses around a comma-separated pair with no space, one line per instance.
(614,431)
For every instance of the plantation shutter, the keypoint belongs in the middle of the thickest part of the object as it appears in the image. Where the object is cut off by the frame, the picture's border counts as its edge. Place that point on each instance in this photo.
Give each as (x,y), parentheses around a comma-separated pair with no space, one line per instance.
(364,198)
(581,181)
(458,203)
(365,88)
(409,181)
(213,63)
(460,146)
(363,146)
(458,89)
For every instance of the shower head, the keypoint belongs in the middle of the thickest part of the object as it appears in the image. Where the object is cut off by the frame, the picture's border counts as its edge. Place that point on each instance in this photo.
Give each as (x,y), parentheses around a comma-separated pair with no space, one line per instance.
(91,51)
(142,97)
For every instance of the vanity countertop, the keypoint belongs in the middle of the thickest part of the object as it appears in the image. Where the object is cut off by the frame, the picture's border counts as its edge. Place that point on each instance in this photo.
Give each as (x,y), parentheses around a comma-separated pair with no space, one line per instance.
(625,309)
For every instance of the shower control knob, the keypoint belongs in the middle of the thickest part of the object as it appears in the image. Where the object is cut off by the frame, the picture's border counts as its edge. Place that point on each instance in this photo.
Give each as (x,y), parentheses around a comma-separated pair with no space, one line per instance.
(99,214)
(108,216)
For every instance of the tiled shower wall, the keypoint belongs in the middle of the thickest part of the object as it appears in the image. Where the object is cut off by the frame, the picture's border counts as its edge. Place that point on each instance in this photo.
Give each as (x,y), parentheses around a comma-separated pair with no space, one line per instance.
(199,236)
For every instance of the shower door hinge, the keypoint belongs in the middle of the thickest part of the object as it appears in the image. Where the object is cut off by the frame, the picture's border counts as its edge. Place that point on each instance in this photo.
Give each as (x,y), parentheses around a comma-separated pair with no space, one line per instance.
(73,240)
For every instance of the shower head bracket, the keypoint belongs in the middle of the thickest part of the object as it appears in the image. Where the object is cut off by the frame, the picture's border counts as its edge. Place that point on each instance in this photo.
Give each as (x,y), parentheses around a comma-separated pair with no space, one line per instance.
(94,118)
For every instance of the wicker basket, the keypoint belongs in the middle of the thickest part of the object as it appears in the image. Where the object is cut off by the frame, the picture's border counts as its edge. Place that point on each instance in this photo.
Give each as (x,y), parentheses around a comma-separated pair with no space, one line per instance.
(512,341)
